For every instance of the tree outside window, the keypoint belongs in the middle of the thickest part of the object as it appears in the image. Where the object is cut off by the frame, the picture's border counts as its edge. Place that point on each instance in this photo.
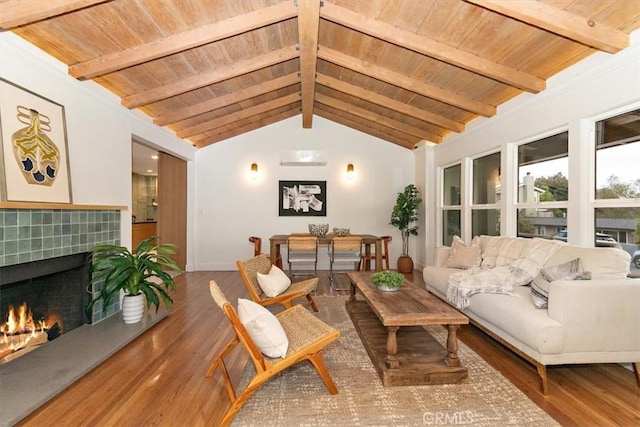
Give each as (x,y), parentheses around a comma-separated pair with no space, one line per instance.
(617,192)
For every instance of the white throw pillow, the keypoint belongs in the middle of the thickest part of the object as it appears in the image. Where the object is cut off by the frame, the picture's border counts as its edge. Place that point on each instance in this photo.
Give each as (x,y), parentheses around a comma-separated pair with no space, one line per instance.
(273,283)
(264,328)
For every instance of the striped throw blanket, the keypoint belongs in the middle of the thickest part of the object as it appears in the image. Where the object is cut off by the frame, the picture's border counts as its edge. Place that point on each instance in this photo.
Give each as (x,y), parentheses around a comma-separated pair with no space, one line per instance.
(500,279)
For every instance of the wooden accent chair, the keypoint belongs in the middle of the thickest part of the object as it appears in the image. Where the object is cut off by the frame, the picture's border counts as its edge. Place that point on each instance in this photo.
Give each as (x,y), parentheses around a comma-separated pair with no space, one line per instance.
(249,269)
(302,249)
(257,249)
(365,263)
(307,335)
(343,250)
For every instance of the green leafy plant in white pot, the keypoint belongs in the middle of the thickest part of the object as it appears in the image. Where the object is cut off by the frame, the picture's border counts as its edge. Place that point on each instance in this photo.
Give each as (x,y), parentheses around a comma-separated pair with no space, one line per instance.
(142,275)
(403,216)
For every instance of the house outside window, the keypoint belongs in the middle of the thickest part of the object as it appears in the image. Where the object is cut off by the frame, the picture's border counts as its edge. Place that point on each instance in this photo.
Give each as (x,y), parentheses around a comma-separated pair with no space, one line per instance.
(617,185)
(485,208)
(451,203)
(543,187)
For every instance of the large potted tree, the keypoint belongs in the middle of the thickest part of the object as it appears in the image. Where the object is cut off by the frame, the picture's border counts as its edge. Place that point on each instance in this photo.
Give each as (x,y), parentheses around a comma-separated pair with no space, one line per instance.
(142,275)
(403,216)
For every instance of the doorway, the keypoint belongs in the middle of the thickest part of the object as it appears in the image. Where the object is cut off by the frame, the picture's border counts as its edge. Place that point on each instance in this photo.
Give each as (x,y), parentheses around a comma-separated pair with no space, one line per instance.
(159,199)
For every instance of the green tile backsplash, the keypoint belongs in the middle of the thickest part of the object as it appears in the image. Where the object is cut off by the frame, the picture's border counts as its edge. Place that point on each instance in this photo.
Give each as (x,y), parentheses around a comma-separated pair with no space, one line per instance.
(35,234)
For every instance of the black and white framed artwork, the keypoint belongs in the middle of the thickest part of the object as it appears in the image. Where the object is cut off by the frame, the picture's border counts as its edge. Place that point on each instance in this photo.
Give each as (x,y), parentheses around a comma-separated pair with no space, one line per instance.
(302,198)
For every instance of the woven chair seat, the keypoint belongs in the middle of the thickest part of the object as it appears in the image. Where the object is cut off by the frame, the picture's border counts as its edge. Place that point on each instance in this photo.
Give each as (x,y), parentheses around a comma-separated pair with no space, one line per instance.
(303,329)
(305,286)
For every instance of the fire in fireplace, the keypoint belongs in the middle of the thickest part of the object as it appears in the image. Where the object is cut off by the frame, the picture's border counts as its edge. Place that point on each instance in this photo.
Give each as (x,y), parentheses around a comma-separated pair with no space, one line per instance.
(40,300)
(21,333)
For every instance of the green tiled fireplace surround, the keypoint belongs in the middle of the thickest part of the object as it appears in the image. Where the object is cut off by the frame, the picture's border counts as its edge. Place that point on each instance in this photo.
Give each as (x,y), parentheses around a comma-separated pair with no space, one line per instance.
(35,234)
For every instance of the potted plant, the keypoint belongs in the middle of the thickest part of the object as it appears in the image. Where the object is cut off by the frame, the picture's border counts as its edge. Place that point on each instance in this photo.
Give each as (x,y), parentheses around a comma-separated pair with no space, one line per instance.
(404,214)
(387,280)
(141,275)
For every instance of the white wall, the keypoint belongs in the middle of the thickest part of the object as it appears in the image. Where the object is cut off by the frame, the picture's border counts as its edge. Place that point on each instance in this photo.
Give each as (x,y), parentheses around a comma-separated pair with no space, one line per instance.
(230,207)
(600,85)
(99,129)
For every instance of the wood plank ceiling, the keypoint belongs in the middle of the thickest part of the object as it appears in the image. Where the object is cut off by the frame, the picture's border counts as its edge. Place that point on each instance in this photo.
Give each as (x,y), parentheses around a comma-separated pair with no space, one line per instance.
(401,70)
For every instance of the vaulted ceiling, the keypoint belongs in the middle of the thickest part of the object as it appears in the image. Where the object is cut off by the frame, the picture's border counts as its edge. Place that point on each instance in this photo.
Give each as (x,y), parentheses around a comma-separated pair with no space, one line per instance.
(400,70)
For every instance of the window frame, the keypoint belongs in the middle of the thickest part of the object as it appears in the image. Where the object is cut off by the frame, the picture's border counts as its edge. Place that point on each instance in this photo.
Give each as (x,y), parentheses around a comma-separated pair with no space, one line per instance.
(515,181)
(471,206)
(440,224)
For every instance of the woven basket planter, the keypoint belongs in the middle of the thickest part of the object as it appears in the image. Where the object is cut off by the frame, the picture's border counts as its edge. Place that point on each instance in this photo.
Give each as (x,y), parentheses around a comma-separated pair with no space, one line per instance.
(405,264)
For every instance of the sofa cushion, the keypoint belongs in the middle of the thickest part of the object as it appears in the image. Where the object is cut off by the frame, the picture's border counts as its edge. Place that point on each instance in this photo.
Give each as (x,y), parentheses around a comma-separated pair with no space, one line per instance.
(516,315)
(602,263)
(571,270)
(437,277)
(503,250)
(463,256)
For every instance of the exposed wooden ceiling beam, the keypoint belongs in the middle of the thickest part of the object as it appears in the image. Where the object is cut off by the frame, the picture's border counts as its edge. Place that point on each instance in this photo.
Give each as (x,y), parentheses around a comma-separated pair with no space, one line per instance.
(226,100)
(389,103)
(550,18)
(183,41)
(377,118)
(14,13)
(432,48)
(405,82)
(409,141)
(238,115)
(205,79)
(247,128)
(308,24)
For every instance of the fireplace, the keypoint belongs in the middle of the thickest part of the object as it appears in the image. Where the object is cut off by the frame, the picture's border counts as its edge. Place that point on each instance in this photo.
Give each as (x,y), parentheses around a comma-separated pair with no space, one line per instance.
(41,300)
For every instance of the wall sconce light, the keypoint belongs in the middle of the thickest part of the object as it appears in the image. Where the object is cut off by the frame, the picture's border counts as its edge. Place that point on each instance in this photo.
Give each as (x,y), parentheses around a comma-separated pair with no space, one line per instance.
(350,171)
(254,171)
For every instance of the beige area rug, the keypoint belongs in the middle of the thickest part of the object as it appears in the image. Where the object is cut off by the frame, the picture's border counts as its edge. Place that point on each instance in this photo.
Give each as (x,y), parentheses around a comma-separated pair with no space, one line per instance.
(297,397)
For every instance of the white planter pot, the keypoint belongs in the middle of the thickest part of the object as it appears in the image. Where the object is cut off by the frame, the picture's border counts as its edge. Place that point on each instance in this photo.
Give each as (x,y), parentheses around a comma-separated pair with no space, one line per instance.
(132,308)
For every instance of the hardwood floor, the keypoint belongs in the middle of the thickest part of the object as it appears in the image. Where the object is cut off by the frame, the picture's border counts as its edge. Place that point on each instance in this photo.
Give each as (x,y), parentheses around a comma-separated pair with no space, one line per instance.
(158,379)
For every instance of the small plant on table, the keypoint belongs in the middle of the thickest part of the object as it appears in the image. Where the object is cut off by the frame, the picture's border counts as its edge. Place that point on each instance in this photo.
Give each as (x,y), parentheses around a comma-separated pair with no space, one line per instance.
(388,280)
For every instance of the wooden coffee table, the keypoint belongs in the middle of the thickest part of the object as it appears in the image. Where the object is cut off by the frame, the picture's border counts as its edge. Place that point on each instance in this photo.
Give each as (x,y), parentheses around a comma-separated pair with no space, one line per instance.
(407,356)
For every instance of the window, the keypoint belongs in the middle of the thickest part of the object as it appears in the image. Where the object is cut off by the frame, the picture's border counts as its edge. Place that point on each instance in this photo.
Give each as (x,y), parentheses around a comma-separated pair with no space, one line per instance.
(617,186)
(543,222)
(485,221)
(485,212)
(451,185)
(451,221)
(543,186)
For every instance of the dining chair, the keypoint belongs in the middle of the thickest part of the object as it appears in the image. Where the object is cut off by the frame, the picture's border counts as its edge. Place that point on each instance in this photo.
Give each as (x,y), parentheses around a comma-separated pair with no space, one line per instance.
(249,269)
(257,249)
(302,250)
(365,263)
(343,250)
(307,336)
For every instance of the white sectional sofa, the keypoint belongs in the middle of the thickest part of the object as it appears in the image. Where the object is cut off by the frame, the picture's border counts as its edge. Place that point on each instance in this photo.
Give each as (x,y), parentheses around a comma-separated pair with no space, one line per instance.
(587,321)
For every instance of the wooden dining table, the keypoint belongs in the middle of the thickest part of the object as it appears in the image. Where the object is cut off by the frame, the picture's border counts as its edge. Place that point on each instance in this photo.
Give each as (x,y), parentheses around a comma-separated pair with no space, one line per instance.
(367,239)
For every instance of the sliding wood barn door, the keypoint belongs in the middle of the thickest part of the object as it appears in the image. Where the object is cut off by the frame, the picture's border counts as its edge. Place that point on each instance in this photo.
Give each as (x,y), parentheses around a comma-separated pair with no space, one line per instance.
(172,204)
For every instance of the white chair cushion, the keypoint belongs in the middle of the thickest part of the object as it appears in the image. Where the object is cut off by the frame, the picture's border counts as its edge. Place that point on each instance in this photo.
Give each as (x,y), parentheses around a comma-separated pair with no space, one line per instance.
(264,328)
(273,283)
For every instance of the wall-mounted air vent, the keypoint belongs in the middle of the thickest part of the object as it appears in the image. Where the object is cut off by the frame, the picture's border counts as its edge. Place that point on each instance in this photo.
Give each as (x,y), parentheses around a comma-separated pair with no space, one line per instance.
(302,158)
